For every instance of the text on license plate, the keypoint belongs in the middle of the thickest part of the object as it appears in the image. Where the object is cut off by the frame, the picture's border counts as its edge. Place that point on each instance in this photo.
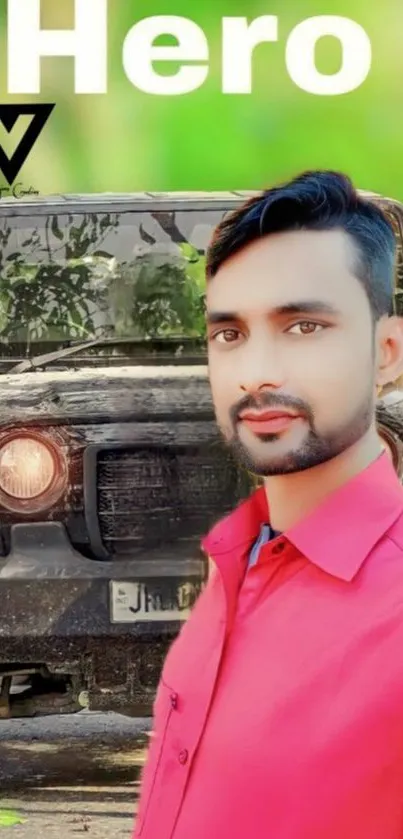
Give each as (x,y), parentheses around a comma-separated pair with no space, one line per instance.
(131,602)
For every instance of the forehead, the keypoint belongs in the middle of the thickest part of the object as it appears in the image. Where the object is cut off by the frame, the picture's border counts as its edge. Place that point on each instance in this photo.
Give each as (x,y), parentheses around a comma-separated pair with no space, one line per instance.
(297,264)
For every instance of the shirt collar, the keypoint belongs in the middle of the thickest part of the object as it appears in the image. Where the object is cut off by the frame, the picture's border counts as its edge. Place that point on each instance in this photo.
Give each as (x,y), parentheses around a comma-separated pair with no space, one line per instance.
(338,535)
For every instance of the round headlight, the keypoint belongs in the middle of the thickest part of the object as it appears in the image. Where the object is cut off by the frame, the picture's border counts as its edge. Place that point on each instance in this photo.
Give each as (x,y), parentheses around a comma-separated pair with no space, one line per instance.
(27,468)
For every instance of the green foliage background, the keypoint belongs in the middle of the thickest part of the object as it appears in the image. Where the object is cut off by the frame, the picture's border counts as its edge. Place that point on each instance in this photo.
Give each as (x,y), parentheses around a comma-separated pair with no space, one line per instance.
(127,140)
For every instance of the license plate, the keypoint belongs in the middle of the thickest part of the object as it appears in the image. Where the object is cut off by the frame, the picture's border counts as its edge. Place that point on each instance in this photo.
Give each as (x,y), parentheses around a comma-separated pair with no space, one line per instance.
(131,602)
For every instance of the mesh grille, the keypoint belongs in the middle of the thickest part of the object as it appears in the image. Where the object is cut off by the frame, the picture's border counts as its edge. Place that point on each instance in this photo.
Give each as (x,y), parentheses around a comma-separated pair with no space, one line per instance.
(153,497)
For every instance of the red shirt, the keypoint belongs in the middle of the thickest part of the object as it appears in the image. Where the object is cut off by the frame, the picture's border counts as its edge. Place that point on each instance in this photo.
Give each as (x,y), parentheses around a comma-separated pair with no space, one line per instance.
(279,714)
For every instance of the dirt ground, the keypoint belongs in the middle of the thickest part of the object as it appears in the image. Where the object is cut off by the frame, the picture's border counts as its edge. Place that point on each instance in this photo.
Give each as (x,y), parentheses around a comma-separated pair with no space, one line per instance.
(71,776)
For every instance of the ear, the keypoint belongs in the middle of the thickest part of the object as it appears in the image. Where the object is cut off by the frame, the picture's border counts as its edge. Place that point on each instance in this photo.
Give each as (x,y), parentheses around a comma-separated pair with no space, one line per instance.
(389,346)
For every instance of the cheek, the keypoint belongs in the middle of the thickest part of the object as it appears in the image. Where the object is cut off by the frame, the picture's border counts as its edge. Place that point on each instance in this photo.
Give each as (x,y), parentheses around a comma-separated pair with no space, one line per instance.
(334,380)
(335,364)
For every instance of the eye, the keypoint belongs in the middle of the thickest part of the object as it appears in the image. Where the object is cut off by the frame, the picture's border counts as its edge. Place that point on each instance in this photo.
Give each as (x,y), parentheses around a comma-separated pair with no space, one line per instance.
(226,336)
(307,327)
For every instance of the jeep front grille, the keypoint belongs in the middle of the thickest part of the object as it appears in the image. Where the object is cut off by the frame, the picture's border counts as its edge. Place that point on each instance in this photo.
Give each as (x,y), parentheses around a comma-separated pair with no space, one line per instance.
(149,496)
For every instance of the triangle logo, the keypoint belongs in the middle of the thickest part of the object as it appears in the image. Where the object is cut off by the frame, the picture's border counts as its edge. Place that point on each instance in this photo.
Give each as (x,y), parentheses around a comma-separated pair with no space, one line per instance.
(9,114)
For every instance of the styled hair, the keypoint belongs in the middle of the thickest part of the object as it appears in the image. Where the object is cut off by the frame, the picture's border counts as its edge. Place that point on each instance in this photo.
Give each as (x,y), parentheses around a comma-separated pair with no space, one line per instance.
(316,200)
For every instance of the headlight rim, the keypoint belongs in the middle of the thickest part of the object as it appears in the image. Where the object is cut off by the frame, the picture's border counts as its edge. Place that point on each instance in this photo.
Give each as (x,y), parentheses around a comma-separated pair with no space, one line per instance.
(55,489)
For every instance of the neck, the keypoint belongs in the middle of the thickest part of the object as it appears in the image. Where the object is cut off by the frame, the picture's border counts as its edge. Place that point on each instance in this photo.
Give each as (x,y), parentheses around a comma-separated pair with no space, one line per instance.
(292,497)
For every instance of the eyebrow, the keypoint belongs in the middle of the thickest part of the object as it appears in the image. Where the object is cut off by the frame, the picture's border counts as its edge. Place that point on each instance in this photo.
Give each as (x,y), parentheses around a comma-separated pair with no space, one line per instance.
(311,307)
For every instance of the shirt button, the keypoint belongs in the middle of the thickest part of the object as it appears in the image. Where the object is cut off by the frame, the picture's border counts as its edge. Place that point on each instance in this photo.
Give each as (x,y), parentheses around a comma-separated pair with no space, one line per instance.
(174,701)
(277,549)
(183,756)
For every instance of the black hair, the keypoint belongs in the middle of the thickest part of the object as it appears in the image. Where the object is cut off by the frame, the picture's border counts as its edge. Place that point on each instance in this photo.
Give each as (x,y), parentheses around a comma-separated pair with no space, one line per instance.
(316,200)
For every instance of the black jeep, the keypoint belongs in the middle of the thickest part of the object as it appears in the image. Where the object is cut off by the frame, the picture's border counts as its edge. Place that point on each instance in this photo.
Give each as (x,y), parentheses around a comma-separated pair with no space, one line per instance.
(111,465)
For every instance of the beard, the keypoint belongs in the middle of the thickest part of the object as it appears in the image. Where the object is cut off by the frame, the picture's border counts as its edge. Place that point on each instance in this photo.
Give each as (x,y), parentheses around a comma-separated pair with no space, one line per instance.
(274,457)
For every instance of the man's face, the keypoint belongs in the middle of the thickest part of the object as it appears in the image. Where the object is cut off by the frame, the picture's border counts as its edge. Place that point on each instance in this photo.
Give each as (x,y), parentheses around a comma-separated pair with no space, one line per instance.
(290,330)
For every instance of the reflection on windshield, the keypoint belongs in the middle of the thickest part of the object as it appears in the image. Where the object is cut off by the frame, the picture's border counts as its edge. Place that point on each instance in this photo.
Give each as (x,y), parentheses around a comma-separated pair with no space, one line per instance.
(80,277)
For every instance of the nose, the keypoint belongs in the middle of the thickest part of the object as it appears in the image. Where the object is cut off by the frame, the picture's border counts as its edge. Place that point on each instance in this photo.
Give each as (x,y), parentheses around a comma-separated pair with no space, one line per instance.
(261,365)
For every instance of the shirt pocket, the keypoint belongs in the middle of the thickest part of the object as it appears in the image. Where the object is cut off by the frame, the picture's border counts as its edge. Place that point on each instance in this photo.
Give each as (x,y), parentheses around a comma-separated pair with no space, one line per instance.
(164,706)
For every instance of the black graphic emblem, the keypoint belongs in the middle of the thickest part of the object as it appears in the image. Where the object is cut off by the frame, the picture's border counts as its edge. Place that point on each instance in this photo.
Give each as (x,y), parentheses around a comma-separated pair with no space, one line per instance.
(9,114)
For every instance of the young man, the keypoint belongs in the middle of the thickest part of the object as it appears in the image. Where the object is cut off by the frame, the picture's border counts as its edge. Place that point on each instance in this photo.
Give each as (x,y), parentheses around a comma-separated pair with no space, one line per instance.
(279,714)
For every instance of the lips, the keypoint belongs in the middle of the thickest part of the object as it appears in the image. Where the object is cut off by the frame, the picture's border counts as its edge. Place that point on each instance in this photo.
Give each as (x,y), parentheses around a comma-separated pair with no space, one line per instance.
(268,422)
(261,416)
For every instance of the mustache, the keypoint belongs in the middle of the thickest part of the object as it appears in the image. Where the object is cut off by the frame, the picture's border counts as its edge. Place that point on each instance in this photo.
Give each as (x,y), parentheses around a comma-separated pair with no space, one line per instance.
(270,400)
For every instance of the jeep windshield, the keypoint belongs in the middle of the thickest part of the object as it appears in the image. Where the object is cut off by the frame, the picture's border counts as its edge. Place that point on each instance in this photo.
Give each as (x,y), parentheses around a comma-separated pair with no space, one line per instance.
(113,283)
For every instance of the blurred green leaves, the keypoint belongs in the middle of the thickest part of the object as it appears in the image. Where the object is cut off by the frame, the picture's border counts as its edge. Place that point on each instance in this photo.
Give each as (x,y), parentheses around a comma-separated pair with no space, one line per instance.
(9,818)
(127,140)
